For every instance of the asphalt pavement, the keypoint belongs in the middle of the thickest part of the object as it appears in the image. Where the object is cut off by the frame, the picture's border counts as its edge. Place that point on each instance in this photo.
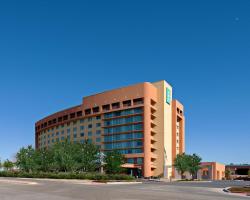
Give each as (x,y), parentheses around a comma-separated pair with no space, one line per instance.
(32,189)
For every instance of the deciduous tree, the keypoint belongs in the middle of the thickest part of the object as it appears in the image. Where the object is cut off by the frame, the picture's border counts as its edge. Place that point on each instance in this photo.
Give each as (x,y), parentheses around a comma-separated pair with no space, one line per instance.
(113,161)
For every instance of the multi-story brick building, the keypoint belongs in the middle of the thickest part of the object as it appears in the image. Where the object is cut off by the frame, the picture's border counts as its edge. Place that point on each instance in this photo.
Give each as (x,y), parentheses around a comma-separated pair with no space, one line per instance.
(141,121)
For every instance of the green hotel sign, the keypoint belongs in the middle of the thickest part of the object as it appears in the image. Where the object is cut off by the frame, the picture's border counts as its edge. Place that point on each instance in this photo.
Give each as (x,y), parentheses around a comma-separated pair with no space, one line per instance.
(168,98)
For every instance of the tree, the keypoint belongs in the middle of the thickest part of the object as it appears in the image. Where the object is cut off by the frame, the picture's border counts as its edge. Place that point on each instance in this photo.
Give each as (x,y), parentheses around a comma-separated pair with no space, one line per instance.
(25,159)
(181,164)
(0,164)
(43,160)
(63,155)
(249,173)
(193,164)
(8,165)
(228,174)
(88,157)
(113,161)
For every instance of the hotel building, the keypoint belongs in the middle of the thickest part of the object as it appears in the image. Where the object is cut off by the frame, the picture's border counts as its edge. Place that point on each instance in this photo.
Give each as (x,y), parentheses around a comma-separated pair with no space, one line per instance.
(141,121)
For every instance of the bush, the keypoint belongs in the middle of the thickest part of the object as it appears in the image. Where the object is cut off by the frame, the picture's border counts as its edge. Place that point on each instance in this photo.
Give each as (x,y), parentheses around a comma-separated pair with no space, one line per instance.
(62,175)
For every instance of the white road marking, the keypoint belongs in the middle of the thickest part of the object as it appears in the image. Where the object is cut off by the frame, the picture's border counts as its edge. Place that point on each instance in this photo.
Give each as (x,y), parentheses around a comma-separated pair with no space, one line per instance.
(17,182)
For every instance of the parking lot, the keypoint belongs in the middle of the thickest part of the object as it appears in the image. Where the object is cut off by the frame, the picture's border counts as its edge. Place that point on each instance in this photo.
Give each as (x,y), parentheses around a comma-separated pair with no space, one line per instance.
(32,189)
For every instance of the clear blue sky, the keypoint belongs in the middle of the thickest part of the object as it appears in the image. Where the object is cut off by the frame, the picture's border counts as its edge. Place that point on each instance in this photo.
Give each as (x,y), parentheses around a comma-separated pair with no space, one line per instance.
(52,53)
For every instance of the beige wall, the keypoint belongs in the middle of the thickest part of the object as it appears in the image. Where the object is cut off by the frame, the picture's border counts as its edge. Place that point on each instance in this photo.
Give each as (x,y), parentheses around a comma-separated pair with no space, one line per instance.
(178,132)
(216,170)
(164,126)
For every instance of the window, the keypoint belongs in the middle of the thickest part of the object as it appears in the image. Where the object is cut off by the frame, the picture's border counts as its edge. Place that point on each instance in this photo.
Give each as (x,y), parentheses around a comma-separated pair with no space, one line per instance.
(96,110)
(131,151)
(98,132)
(65,117)
(128,128)
(116,105)
(90,119)
(123,113)
(89,141)
(82,134)
(62,132)
(72,115)
(98,117)
(82,128)
(138,101)
(126,120)
(68,130)
(75,135)
(79,113)
(139,161)
(74,129)
(122,145)
(119,137)
(106,107)
(90,126)
(57,133)
(87,111)
(62,138)
(98,124)
(81,121)
(126,103)
(98,139)
(90,133)
(62,126)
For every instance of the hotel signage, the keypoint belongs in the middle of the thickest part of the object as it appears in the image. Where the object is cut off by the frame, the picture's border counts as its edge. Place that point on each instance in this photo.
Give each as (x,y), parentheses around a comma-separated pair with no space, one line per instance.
(168,94)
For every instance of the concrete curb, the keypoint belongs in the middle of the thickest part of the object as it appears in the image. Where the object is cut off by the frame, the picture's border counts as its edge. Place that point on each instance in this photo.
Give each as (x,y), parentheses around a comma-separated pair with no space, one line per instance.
(30,181)
(123,183)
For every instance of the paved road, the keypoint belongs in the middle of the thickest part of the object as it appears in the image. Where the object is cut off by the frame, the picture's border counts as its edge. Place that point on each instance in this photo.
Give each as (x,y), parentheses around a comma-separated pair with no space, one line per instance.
(19,189)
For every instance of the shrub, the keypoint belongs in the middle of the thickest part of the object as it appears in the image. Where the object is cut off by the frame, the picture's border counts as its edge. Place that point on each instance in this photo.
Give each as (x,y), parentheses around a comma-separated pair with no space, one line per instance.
(65,175)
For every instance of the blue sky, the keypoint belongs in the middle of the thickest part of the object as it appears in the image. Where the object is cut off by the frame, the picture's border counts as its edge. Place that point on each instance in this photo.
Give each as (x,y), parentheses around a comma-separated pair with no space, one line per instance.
(52,53)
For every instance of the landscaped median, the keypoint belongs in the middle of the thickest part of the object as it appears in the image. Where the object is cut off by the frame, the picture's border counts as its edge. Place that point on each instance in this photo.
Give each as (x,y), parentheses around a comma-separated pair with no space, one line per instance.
(97,177)
(245,190)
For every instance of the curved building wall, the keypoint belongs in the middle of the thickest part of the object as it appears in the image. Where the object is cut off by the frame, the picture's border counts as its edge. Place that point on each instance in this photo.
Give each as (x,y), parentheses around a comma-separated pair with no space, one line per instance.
(127,119)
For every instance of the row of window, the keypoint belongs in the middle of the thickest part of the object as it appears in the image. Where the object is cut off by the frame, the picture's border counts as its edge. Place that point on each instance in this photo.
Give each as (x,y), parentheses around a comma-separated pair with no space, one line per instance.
(125,120)
(98,132)
(63,138)
(122,145)
(115,105)
(130,151)
(64,118)
(135,161)
(123,113)
(127,128)
(118,137)
(74,123)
